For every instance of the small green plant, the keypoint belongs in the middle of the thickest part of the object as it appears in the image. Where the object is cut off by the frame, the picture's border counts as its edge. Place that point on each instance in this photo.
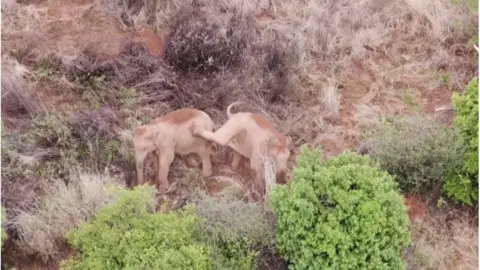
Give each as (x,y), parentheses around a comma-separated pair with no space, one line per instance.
(51,130)
(92,98)
(109,151)
(471,4)
(97,81)
(462,184)
(44,72)
(409,99)
(87,140)
(94,80)
(128,96)
(446,81)
(4,221)
(340,214)
(128,235)
(417,151)
(54,132)
(46,69)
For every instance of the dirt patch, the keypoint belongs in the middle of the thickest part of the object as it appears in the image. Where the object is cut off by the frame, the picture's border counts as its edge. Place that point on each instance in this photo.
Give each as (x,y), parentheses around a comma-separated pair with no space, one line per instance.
(438,102)
(68,100)
(20,194)
(73,27)
(155,43)
(417,208)
(13,257)
(435,98)
(63,29)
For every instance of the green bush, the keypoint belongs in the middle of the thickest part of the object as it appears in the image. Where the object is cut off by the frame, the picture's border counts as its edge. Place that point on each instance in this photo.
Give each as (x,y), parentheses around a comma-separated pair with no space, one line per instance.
(462,185)
(127,235)
(340,214)
(418,152)
(237,232)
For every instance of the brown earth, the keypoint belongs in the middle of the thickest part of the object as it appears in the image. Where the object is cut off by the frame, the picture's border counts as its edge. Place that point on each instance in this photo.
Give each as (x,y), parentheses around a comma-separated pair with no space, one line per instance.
(13,257)
(417,208)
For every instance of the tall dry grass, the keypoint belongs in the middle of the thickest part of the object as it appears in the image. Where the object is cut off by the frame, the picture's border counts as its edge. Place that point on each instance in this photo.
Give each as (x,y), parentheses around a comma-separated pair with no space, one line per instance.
(18,97)
(355,58)
(442,246)
(393,45)
(41,230)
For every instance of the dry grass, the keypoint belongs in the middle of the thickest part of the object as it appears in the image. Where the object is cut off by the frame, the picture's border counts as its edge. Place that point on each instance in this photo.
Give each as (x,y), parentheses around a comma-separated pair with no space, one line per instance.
(20,187)
(320,70)
(444,245)
(41,230)
(103,123)
(18,97)
(30,31)
(295,51)
(234,217)
(138,14)
(198,44)
(331,100)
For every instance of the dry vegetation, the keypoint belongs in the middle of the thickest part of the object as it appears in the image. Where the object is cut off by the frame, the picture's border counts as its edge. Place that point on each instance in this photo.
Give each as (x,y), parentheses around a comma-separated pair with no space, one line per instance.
(78,75)
(63,207)
(444,241)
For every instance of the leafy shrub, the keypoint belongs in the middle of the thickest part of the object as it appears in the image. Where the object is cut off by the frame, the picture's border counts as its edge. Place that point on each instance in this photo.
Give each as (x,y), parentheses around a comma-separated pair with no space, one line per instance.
(238,232)
(417,151)
(462,185)
(127,235)
(42,230)
(466,120)
(340,214)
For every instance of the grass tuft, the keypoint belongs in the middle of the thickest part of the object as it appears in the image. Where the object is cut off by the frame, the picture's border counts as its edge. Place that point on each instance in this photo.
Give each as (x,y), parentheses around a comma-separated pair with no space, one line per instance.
(41,230)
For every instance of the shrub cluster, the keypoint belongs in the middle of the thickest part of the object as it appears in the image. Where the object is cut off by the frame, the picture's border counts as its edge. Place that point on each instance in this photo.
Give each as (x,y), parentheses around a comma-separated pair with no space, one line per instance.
(209,234)
(18,98)
(418,151)
(462,184)
(340,214)
(127,235)
(425,156)
(237,232)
